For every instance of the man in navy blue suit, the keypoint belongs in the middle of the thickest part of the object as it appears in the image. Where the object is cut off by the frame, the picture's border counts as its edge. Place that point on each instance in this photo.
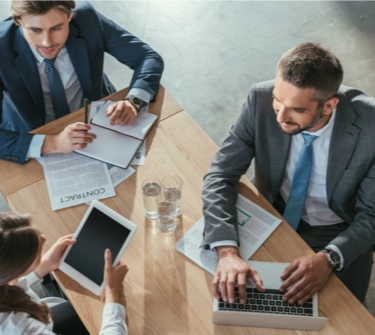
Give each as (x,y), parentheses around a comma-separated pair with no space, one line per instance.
(75,38)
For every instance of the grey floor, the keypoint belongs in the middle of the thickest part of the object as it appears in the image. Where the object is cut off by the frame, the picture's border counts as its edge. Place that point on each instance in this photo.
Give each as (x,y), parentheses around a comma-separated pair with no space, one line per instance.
(215,50)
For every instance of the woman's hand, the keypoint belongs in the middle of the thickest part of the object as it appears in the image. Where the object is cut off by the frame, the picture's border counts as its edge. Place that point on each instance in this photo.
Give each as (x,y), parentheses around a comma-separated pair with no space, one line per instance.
(113,277)
(52,258)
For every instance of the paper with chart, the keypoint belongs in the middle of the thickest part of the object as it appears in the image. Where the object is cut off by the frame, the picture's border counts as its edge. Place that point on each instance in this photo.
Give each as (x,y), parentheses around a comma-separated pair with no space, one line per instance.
(255,225)
(74,179)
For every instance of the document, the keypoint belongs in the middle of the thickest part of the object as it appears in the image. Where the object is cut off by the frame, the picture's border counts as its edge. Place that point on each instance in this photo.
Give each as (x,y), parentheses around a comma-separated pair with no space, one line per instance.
(118,175)
(74,179)
(254,224)
(116,145)
(95,107)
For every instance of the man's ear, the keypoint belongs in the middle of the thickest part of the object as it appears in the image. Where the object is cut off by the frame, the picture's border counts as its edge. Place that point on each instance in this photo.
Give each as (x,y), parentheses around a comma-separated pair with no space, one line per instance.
(330,105)
(16,21)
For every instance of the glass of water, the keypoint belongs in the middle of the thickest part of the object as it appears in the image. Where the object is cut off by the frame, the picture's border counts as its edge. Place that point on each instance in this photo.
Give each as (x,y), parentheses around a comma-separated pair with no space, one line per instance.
(166,215)
(151,188)
(172,185)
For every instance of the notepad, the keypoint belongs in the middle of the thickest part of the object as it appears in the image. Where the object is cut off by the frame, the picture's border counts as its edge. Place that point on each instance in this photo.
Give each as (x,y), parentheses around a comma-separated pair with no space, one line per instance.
(117,145)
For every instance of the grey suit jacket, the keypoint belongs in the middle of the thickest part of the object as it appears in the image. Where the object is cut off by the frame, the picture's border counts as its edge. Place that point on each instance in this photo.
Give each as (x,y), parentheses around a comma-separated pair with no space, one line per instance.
(256,134)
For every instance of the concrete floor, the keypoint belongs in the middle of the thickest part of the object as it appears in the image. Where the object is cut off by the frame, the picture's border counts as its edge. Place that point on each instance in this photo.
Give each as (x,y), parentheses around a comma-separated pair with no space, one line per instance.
(215,50)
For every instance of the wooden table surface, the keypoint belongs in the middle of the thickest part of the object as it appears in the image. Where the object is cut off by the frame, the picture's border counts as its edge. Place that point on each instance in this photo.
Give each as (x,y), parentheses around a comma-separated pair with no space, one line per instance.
(166,293)
(12,175)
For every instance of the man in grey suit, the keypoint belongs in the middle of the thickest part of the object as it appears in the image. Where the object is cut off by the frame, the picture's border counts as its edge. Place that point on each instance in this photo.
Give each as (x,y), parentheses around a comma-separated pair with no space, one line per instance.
(336,215)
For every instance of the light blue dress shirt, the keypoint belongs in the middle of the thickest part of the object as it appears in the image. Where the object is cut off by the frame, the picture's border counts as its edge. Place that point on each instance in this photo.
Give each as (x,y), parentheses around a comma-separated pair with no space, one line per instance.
(316,211)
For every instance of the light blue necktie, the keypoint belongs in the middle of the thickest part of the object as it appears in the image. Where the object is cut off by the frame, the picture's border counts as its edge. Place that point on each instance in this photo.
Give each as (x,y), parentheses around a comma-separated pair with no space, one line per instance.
(300,184)
(59,102)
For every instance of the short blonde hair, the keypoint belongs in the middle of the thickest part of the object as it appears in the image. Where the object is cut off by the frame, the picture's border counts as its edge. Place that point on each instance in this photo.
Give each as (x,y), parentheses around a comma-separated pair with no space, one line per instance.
(23,7)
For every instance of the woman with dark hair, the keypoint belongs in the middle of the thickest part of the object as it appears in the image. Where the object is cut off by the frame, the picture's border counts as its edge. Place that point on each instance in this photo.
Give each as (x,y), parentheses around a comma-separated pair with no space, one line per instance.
(22,266)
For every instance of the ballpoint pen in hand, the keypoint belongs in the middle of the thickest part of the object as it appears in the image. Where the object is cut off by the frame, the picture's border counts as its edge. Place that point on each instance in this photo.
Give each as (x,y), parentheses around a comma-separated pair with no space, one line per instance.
(86,103)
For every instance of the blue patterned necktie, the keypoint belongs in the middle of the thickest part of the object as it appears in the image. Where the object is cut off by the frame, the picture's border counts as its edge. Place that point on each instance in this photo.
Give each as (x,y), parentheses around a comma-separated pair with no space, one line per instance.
(59,102)
(300,184)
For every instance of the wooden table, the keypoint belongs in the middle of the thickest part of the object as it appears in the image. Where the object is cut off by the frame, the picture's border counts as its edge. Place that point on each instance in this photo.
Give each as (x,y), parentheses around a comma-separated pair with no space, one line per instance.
(167,293)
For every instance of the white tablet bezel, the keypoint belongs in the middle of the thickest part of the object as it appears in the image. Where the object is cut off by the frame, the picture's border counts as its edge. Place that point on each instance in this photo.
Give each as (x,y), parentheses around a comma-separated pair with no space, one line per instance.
(75,274)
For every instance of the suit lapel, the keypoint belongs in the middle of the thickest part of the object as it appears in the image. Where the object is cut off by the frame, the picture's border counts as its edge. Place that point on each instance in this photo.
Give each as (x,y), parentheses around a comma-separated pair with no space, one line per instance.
(343,142)
(27,68)
(279,147)
(78,54)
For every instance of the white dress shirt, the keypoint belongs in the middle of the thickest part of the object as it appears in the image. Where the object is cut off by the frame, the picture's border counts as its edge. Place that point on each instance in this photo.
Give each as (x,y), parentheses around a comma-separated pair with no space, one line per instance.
(316,211)
(73,92)
(113,322)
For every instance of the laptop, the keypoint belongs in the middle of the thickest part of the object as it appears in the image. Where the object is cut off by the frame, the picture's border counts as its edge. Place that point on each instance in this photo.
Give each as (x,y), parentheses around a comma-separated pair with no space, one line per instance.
(266,309)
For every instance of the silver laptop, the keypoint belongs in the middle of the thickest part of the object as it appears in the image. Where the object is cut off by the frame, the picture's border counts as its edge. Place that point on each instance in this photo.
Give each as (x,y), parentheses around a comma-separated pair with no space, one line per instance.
(266,309)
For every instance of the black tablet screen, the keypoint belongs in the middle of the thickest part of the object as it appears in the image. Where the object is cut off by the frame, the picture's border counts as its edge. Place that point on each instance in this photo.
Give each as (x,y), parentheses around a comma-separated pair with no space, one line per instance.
(98,233)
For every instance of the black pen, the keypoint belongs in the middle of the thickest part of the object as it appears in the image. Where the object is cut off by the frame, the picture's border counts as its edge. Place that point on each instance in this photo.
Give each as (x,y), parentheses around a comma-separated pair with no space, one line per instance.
(86,104)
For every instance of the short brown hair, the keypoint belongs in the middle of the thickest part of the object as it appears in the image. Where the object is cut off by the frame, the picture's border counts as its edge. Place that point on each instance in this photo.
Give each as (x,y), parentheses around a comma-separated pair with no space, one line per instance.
(23,7)
(309,65)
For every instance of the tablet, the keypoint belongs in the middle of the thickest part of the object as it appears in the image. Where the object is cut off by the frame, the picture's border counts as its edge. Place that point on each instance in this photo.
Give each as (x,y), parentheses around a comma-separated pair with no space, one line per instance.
(100,228)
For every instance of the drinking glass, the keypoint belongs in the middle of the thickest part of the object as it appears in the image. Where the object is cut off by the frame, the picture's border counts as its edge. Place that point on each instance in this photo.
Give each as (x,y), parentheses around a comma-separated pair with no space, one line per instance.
(151,188)
(172,186)
(166,218)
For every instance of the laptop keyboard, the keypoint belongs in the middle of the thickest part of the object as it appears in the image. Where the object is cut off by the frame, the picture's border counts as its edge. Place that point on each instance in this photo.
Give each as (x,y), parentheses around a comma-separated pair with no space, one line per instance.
(269,301)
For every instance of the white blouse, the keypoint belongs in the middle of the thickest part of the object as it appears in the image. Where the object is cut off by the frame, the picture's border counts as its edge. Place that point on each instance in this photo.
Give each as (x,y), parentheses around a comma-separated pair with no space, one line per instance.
(22,324)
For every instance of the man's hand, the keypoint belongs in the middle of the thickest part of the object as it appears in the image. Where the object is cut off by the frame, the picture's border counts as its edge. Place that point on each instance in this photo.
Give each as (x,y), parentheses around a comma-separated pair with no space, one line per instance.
(122,113)
(231,269)
(113,278)
(309,274)
(73,137)
(52,258)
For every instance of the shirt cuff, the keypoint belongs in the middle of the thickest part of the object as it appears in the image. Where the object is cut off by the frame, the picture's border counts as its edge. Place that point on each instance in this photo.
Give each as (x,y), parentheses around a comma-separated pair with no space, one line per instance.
(32,279)
(231,243)
(141,94)
(336,249)
(35,148)
(114,319)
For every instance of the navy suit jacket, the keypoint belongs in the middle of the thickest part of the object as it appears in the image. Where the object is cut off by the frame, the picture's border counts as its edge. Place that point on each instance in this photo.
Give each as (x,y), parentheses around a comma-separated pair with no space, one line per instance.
(90,36)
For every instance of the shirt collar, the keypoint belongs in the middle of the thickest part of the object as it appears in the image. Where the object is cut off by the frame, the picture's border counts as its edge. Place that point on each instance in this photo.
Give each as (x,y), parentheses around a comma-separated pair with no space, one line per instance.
(325,131)
(40,59)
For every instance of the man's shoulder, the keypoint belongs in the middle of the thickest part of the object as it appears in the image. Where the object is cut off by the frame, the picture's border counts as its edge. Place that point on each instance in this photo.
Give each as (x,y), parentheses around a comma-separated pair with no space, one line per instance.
(263,87)
(86,18)
(83,6)
(6,27)
(83,9)
(262,92)
(359,101)
(8,30)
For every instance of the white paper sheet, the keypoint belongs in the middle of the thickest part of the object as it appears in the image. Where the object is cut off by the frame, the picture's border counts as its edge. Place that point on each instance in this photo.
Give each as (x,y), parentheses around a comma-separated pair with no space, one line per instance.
(74,179)
(111,147)
(118,174)
(95,107)
(138,129)
(255,225)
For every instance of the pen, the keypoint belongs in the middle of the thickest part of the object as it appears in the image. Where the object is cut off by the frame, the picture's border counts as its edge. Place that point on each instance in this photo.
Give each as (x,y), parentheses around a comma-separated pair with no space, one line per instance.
(86,103)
